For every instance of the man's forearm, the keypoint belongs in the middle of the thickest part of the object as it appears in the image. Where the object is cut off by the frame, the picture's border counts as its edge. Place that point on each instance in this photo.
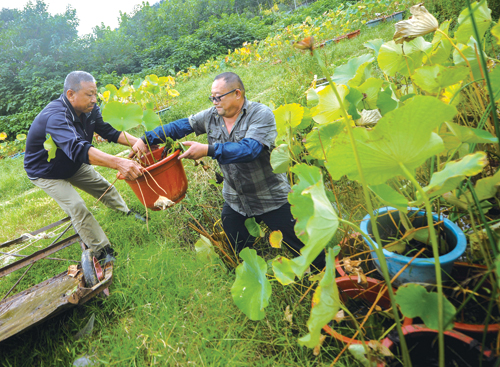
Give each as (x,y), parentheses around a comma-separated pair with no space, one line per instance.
(99,158)
(126,139)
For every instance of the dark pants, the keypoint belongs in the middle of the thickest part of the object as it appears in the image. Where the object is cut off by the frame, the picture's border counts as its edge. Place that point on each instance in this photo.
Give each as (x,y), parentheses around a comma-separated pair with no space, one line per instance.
(280,219)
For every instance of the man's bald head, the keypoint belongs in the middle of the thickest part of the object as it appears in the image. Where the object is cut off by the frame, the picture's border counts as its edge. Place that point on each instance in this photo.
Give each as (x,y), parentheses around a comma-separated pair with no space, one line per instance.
(232,81)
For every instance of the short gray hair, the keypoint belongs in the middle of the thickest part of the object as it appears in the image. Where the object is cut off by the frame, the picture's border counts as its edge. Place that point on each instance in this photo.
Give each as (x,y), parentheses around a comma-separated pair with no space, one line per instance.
(232,80)
(75,78)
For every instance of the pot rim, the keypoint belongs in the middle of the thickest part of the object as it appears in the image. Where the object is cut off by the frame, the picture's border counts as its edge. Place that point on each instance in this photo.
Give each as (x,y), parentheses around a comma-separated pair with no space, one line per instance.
(153,166)
(450,257)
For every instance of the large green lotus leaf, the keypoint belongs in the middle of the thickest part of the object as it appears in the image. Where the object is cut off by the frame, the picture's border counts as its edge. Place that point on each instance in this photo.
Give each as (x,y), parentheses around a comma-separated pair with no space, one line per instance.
(327,304)
(364,72)
(319,139)
(434,78)
(328,108)
(122,116)
(454,173)
(496,32)
(390,197)
(372,89)
(346,72)
(402,136)
(495,82)
(283,271)
(482,16)
(469,51)
(150,119)
(287,116)
(391,58)
(253,227)
(50,146)
(280,159)
(385,103)
(469,135)
(354,97)
(441,46)
(317,221)
(375,45)
(204,250)
(415,301)
(251,289)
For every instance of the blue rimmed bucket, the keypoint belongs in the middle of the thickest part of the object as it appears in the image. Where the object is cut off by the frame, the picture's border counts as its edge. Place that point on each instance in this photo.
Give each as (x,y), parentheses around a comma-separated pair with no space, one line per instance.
(421,270)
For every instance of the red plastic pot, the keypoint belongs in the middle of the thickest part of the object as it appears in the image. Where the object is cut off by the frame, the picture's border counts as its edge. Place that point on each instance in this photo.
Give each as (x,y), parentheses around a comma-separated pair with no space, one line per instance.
(463,271)
(468,346)
(349,287)
(353,34)
(171,180)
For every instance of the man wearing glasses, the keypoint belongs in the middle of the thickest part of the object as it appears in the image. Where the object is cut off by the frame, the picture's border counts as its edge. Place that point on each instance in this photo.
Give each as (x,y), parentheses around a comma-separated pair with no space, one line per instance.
(240,136)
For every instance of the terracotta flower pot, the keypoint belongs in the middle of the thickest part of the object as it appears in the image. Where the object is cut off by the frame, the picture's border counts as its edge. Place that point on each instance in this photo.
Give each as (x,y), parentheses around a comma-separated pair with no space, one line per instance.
(422,345)
(171,180)
(463,271)
(354,34)
(349,287)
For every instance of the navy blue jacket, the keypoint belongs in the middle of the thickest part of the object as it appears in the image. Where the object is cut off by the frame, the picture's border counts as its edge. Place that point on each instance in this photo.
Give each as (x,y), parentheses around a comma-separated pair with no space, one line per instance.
(72,135)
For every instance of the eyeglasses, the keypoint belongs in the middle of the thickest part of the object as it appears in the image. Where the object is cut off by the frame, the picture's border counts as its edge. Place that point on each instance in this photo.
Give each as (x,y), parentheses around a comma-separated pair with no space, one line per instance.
(217,99)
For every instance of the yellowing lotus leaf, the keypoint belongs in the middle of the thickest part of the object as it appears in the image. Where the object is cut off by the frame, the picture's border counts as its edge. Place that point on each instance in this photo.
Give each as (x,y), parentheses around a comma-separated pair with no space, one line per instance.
(328,108)
(276,238)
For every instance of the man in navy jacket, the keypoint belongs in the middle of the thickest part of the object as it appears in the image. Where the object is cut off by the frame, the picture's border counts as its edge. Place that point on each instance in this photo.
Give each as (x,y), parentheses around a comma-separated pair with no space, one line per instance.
(71,121)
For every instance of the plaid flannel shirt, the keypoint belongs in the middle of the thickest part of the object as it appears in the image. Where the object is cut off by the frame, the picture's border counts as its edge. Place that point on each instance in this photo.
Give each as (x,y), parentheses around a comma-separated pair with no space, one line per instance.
(249,188)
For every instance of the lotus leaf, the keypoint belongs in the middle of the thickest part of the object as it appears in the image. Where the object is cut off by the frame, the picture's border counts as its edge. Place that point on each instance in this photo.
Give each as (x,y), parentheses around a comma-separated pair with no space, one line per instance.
(390,197)
(469,51)
(319,139)
(487,187)
(50,146)
(392,59)
(328,304)
(204,250)
(328,108)
(482,16)
(415,301)
(344,73)
(122,116)
(434,78)
(441,46)
(275,239)
(496,32)
(454,173)
(287,117)
(354,98)
(251,289)
(404,135)
(150,120)
(385,102)
(283,271)
(470,135)
(124,91)
(495,82)
(280,159)
(253,227)
(372,89)
(375,45)
(317,221)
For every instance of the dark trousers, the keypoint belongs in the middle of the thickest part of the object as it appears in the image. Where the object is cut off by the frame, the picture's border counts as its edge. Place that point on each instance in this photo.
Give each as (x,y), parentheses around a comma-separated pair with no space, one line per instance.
(280,219)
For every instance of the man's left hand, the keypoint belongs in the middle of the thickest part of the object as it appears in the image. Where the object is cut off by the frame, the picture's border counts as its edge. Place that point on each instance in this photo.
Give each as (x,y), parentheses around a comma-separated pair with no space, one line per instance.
(195,151)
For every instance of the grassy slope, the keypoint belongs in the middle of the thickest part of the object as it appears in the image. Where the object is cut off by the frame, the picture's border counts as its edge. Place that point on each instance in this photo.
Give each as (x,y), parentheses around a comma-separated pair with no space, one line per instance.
(165,307)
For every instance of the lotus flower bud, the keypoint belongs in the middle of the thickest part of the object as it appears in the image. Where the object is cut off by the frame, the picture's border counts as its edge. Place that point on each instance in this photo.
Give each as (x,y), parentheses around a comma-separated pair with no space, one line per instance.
(421,23)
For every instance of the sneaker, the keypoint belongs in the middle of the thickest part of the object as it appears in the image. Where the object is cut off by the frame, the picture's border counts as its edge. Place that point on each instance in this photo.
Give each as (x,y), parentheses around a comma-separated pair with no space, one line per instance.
(136,215)
(107,255)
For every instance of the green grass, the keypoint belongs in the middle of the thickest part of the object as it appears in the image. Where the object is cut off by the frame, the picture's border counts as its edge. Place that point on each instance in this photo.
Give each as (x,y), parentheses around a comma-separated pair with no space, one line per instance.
(166,307)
